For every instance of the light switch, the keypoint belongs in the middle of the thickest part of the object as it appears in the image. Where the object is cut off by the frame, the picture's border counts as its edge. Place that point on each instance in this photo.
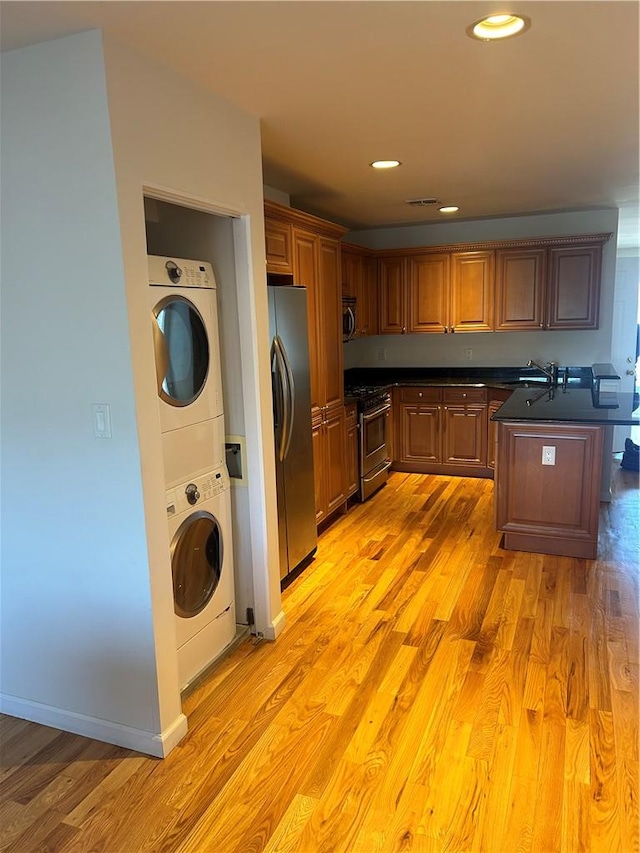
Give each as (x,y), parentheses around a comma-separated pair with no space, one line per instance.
(101,420)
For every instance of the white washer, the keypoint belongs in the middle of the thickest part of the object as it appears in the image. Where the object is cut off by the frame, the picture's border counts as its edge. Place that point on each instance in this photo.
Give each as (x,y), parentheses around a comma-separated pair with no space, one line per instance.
(200,536)
(187,358)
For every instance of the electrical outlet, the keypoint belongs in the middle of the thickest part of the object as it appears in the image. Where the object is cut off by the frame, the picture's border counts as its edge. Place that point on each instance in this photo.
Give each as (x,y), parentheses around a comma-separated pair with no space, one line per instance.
(468,354)
(382,354)
(548,454)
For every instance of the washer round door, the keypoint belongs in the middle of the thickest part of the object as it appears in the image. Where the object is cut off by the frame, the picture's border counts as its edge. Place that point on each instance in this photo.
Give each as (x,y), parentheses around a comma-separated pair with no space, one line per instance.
(181,350)
(196,563)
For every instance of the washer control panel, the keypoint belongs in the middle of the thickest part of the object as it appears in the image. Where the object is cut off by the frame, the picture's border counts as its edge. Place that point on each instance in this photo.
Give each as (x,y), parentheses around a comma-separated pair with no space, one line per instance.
(180,272)
(196,491)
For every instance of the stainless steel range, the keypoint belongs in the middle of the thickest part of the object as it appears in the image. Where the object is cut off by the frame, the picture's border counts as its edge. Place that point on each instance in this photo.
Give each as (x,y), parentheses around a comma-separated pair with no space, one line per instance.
(374,458)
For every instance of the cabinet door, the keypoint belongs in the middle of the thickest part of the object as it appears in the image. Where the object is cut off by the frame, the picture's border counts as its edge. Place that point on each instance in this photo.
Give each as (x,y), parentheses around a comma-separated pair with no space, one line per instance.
(330,329)
(429,282)
(351,268)
(497,396)
(319,467)
(367,305)
(549,509)
(305,263)
(520,276)
(465,432)
(277,237)
(335,468)
(573,300)
(472,286)
(420,433)
(392,296)
(351,427)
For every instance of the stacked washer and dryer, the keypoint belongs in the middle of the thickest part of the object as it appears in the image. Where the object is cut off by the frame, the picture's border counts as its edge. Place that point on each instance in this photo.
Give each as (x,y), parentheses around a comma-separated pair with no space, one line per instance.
(198,499)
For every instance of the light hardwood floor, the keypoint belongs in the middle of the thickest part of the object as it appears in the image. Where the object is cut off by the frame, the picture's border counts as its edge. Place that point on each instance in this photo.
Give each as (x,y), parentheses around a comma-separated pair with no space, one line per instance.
(431,692)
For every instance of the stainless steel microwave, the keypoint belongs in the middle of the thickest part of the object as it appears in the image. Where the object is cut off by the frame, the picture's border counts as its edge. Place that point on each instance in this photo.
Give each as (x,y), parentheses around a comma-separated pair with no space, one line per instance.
(348,317)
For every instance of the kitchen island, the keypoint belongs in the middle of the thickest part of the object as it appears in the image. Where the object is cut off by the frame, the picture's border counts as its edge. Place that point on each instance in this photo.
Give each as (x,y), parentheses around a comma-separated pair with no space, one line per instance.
(553,454)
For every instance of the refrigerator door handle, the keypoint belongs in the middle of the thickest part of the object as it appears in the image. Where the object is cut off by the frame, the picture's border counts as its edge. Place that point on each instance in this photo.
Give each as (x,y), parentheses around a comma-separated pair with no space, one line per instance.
(289,399)
(285,380)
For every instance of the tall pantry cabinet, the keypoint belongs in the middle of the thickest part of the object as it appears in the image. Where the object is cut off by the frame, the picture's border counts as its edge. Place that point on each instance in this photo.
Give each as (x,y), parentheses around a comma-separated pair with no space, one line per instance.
(309,248)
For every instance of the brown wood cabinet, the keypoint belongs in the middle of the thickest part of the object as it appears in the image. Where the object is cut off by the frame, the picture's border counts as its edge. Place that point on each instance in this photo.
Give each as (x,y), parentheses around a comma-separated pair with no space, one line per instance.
(428,300)
(520,280)
(550,283)
(360,280)
(351,427)
(442,430)
(278,246)
(549,508)
(329,462)
(472,284)
(465,427)
(497,396)
(392,295)
(573,292)
(315,259)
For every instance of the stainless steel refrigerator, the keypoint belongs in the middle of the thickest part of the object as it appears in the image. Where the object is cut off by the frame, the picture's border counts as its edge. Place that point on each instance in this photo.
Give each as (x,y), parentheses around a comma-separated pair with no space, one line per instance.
(291,390)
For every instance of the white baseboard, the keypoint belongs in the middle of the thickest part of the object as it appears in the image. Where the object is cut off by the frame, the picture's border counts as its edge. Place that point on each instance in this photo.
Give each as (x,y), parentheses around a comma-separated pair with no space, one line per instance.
(158,744)
(275,628)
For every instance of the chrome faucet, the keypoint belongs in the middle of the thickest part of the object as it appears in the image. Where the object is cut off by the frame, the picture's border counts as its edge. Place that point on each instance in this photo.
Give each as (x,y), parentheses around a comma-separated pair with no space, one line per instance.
(550,371)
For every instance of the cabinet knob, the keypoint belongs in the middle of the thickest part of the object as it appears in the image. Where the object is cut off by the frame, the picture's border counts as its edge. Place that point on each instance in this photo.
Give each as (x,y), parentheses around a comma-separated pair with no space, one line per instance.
(404,330)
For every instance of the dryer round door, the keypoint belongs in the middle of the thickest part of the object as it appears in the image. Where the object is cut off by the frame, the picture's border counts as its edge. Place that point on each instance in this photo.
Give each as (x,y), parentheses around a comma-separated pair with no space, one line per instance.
(181,350)
(197,551)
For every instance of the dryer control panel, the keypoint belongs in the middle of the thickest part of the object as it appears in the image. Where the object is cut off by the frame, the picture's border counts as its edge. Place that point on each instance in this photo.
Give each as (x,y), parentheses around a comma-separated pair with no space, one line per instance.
(179,272)
(196,491)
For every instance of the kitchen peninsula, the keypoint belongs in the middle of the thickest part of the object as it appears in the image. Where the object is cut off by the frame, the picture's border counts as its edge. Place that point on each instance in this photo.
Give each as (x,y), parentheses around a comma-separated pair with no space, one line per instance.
(550,465)
(549,446)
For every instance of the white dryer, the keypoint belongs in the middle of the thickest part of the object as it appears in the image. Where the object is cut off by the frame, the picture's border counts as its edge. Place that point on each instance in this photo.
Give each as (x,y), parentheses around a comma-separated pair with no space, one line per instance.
(200,536)
(187,358)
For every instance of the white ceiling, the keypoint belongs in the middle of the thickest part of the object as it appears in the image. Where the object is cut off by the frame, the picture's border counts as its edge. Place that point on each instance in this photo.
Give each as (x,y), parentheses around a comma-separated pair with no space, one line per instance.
(547,121)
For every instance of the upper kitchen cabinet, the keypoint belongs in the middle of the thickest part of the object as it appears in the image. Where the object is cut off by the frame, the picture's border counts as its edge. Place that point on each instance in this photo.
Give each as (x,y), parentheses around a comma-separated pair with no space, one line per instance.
(439,291)
(278,246)
(429,277)
(520,280)
(360,281)
(573,294)
(472,281)
(315,263)
(391,292)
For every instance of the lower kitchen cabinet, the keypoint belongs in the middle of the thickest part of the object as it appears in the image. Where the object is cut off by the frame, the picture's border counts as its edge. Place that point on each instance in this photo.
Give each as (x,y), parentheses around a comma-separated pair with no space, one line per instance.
(442,431)
(465,435)
(497,396)
(351,426)
(328,432)
(549,507)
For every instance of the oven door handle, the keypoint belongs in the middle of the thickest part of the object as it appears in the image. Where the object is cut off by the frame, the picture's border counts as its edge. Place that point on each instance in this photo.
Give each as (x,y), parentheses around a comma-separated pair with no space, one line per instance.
(369,416)
(384,466)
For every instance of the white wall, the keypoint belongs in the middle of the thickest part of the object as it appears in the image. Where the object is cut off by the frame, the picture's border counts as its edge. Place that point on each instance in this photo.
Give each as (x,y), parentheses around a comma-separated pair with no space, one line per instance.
(77,630)
(87,602)
(491,349)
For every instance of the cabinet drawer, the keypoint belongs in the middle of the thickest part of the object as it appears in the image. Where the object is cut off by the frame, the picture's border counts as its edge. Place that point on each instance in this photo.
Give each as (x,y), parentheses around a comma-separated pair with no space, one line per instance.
(465,395)
(350,414)
(420,395)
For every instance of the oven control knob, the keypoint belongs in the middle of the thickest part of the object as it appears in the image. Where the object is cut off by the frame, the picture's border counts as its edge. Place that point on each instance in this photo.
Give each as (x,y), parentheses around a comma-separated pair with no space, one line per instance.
(192,493)
(174,272)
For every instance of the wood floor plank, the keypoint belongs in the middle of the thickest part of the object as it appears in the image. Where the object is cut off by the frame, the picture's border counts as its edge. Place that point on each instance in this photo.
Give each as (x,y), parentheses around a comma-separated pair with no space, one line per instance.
(431,691)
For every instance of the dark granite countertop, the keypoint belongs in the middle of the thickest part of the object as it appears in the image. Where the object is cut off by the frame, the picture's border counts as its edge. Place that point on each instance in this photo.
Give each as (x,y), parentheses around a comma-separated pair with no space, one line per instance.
(494,377)
(530,401)
(575,405)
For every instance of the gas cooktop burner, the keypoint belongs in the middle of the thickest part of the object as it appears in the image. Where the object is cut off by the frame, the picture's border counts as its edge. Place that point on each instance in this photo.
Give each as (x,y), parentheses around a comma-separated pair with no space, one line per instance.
(362,391)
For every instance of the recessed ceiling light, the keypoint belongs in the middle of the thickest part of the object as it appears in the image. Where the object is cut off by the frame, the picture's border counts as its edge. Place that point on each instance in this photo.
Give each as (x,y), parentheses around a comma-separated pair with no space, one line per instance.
(449,209)
(498,27)
(385,164)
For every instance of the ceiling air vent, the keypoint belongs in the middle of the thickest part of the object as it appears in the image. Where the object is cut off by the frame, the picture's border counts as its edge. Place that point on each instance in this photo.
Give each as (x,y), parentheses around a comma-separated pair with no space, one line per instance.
(422,202)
